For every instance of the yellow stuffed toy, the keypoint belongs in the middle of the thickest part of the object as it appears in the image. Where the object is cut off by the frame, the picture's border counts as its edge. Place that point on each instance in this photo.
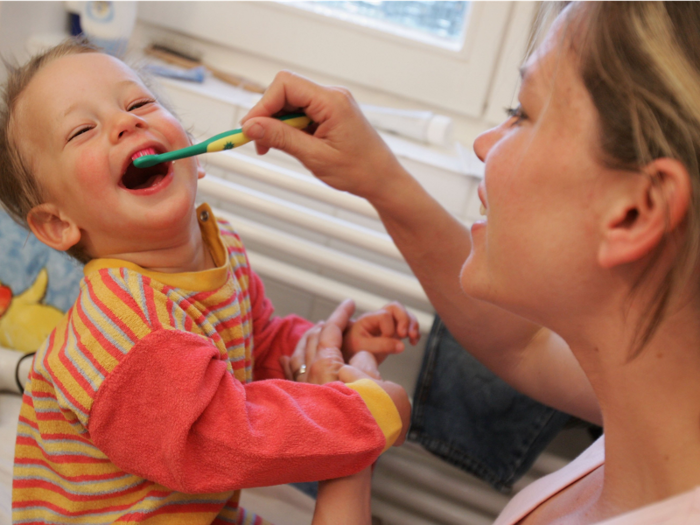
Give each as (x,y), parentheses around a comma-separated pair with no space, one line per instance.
(24,322)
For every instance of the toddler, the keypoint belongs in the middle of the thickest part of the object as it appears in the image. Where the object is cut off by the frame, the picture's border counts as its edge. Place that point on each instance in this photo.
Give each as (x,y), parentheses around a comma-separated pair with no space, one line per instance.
(161,393)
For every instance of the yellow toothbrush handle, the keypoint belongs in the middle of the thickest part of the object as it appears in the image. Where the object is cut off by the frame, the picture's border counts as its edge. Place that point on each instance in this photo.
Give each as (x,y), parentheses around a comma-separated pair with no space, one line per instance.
(239,138)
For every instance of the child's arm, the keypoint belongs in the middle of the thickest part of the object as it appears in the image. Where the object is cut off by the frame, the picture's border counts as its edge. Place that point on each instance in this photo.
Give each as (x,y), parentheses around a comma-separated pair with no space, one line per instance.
(274,337)
(174,414)
(380,332)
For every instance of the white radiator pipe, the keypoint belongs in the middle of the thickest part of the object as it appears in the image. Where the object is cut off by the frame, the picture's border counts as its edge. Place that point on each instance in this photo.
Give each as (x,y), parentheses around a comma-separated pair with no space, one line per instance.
(290,180)
(373,274)
(418,473)
(327,288)
(408,496)
(302,216)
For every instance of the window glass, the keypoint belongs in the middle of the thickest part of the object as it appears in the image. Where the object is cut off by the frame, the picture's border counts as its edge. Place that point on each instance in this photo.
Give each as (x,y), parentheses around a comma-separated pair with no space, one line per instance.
(438,22)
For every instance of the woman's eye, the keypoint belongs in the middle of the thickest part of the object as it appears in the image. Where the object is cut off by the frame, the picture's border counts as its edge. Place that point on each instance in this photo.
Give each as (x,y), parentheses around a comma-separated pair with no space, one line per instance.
(79,132)
(140,104)
(517,113)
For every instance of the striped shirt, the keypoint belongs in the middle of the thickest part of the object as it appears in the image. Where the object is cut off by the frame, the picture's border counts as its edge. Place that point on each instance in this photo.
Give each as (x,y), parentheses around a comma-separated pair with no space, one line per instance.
(141,405)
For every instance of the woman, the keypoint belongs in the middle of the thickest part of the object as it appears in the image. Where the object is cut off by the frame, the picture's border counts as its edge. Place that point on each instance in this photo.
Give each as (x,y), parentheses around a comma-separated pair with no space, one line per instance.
(582,280)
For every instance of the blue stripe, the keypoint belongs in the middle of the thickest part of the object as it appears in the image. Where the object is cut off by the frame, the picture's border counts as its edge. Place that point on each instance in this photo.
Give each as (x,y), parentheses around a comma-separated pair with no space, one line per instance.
(85,298)
(72,344)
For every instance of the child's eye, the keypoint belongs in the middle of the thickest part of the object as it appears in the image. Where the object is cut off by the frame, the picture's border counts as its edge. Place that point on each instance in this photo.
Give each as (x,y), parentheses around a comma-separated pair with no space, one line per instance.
(517,113)
(140,103)
(80,131)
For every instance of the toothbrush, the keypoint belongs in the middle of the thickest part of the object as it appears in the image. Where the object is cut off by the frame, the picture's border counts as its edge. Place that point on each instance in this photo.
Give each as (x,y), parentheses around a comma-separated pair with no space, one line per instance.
(222,141)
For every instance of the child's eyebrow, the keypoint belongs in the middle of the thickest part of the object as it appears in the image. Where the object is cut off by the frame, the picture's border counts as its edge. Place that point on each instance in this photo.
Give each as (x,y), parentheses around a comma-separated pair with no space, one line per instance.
(127,82)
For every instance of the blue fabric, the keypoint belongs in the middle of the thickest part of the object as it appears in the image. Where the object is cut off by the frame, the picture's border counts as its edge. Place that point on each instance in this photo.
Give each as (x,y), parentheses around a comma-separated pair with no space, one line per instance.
(467,416)
(22,256)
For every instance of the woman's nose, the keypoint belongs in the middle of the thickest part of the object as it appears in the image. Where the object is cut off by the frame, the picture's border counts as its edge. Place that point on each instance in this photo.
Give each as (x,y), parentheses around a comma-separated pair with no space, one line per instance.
(126,123)
(484,142)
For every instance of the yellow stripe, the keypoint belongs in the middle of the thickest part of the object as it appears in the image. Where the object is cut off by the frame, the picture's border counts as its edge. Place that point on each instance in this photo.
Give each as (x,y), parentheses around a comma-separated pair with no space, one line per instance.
(381,407)
(229,142)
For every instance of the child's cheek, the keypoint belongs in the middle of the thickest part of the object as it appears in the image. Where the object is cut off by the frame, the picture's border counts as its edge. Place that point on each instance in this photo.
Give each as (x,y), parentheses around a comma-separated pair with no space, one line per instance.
(175,133)
(92,172)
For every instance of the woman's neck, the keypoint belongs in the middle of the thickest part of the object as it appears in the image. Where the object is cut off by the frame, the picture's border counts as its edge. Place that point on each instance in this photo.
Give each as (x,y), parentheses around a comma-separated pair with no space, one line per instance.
(651,411)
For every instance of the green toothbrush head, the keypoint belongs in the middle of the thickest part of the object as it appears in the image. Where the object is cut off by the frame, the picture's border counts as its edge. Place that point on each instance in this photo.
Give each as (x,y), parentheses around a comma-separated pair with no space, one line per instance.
(147,161)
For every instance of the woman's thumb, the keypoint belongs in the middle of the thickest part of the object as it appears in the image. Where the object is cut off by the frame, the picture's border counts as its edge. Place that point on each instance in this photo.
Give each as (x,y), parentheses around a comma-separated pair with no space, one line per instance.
(273,133)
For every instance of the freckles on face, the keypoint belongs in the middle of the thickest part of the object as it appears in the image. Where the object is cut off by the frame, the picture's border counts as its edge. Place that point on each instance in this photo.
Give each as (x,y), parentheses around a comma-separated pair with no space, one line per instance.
(540,184)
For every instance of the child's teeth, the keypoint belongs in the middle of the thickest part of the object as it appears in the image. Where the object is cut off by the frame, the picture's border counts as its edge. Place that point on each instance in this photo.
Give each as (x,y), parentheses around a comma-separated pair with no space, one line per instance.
(482,210)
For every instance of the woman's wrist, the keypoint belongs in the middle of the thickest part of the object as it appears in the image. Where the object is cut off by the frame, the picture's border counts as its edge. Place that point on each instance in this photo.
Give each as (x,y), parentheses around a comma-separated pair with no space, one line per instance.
(345,501)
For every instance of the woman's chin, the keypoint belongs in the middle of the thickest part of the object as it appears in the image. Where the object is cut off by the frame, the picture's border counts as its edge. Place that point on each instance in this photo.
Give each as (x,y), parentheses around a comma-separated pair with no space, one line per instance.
(470,279)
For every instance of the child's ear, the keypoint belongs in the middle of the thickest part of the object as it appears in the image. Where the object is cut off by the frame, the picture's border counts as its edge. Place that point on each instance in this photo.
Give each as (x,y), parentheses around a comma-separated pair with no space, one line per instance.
(200,170)
(654,205)
(52,228)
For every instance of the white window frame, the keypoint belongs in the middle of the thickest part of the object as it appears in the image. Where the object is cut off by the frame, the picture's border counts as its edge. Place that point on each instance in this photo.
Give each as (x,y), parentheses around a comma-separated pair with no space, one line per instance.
(459,81)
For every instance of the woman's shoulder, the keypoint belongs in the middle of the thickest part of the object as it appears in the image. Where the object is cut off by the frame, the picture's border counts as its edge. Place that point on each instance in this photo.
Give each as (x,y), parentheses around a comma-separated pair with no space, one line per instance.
(533,496)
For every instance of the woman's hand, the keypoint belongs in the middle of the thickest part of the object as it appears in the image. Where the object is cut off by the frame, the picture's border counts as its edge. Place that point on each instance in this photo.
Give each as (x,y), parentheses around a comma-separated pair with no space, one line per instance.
(343,149)
(317,357)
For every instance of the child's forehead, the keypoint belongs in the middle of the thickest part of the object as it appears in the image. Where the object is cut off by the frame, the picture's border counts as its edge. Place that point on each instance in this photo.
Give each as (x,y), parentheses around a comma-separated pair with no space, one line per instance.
(73,81)
(86,67)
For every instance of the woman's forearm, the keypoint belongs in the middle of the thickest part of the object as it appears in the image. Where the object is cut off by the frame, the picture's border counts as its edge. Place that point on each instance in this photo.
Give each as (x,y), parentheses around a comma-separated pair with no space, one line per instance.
(345,501)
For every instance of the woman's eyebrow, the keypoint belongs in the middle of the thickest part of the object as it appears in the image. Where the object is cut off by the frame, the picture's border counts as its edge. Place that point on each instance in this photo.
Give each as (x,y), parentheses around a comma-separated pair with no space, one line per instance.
(523,72)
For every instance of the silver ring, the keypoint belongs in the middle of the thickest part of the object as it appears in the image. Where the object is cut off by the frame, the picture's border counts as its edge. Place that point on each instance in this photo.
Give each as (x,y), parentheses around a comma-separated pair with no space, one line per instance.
(302,370)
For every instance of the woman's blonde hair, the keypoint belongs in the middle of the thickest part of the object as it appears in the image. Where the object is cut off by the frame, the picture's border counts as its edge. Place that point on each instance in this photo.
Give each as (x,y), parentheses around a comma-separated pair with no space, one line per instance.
(640,62)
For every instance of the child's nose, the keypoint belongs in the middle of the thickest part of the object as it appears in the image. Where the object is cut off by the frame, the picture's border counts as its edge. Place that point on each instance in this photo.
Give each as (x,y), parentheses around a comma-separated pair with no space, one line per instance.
(126,123)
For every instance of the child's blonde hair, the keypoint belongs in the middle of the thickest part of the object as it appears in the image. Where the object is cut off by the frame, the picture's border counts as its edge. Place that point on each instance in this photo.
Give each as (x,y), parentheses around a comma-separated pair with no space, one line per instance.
(19,189)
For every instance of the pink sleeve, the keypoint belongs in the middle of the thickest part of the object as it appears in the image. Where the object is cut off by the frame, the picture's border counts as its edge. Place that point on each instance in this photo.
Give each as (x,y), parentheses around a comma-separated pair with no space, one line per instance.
(172,413)
(272,336)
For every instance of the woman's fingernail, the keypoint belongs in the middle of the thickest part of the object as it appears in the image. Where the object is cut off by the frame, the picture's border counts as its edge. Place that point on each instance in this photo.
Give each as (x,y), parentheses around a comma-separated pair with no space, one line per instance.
(255,131)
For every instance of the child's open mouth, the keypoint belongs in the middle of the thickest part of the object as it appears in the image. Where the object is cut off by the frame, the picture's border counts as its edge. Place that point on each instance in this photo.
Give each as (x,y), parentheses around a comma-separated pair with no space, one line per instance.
(140,178)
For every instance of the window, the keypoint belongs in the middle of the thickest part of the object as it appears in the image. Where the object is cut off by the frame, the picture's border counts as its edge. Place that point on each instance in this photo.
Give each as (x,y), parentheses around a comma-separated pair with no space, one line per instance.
(456,78)
(441,23)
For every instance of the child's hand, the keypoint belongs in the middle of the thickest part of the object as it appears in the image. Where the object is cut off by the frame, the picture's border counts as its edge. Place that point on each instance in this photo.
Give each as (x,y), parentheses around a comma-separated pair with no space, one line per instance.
(365,362)
(381,332)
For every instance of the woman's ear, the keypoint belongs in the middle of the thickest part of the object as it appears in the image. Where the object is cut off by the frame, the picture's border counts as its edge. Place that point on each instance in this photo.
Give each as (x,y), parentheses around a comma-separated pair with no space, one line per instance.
(52,228)
(653,205)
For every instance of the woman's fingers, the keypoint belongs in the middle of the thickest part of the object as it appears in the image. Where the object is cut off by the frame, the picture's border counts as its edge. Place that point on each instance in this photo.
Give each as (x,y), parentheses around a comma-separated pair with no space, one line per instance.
(287,92)
(342,314)
(286,367)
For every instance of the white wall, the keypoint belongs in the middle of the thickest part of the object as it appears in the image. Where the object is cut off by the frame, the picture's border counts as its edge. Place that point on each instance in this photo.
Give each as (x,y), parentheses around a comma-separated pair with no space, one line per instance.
(20,20)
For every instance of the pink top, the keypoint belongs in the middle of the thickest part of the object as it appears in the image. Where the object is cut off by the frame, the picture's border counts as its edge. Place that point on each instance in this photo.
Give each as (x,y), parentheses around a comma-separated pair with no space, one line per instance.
(683,509)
